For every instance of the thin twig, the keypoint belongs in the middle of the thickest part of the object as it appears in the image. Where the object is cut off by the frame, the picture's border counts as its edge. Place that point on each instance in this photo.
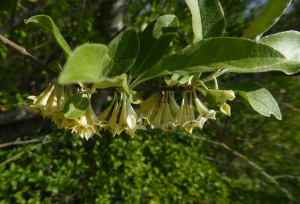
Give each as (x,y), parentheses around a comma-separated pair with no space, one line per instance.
(23,51)
(20,142)
(286,176)
(245,158)
(290,106)
(21,153)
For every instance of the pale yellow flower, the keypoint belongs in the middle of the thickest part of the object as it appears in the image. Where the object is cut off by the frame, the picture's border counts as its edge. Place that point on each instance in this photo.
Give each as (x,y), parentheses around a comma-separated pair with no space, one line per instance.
(225,109)
(112,123)
(128,118)
(86,124)
(40,102)
(181,116)
(224,95)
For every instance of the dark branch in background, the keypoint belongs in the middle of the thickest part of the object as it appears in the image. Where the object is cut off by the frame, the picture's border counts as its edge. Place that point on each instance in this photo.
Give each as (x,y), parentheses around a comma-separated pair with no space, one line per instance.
(23,51)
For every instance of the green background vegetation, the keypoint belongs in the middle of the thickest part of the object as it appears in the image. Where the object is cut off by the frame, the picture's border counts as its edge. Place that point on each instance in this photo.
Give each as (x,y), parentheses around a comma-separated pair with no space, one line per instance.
(155,166)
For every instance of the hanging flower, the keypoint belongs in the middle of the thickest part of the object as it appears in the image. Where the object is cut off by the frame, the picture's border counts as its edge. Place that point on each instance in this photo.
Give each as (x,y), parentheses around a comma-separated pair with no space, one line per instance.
(191,121)
(181,117)
(87,122)
(112,123)
(40,103)
(128,118)
(149,108)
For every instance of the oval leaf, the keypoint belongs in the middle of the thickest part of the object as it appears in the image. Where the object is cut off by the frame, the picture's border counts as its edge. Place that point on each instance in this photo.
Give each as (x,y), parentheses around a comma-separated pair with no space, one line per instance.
(288,43)
(258,97)
(47,23)
(235,54)
(55,66)
(122,51)
(85,64)
(118,81)
(268,16)
(204,25)
(155,40)
(76,106)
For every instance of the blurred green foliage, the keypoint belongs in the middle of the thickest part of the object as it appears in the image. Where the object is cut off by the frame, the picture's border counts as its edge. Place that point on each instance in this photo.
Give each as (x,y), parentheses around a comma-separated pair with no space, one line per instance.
(154,167)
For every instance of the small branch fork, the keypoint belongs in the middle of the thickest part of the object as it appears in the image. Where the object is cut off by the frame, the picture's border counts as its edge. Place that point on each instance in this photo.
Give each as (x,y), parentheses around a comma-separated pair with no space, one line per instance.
(23,51)
(245,158)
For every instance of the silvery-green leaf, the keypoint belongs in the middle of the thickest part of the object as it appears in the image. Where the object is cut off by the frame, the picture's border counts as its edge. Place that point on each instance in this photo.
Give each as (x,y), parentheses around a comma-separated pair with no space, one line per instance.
(122,50)
(267,17)
(76,106)
(118,81)
(85,64)
(207,18)
(258,97)
(234,54)
(47,23)
(154,42)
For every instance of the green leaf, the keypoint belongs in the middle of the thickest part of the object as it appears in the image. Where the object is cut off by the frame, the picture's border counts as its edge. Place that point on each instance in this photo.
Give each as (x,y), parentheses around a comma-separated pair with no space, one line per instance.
(258,97)
(154,41)
(85,64)
(268,16)
(119,81)
(122,50)
(288,43)
(135,97)
(207,17)
(176,80)
(76,106)
(235,54)
(55,66)
(47,23)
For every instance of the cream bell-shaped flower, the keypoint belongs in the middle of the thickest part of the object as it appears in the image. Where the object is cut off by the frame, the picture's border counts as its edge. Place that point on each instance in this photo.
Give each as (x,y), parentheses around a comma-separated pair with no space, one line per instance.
(203,110)
(112,123)
(174,107)
(86,123)
(191,121)
(225,109)
(40,102)
(149,108)
(224,95)
(157,120)
(104,114)
(167,118)
(128,118)
(181,117)
(64,93)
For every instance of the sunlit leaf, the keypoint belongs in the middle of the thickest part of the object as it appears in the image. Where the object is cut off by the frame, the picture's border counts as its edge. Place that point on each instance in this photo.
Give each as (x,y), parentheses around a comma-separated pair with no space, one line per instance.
(235,54)
(267,17)
(85,64)
(119,81)
(55,66)
(76,106)
(258,97)
(122,50)
(47,23)
(154,41)
(208,18)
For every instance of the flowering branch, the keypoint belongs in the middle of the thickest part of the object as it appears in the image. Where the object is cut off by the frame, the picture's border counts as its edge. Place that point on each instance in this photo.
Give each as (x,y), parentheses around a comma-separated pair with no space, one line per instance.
(23,51)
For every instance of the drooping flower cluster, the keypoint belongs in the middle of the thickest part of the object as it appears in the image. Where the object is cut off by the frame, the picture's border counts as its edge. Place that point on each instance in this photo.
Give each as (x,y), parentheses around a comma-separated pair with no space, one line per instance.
(163,111)
(51,104)
(160,110)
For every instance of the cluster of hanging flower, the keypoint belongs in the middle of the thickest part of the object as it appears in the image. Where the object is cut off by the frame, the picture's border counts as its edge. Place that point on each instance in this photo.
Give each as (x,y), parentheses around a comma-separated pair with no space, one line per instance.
(160,110)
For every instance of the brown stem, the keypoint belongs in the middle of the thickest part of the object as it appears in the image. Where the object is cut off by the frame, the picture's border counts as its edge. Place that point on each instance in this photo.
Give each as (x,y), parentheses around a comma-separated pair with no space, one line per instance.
(155,89)
(23,51)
